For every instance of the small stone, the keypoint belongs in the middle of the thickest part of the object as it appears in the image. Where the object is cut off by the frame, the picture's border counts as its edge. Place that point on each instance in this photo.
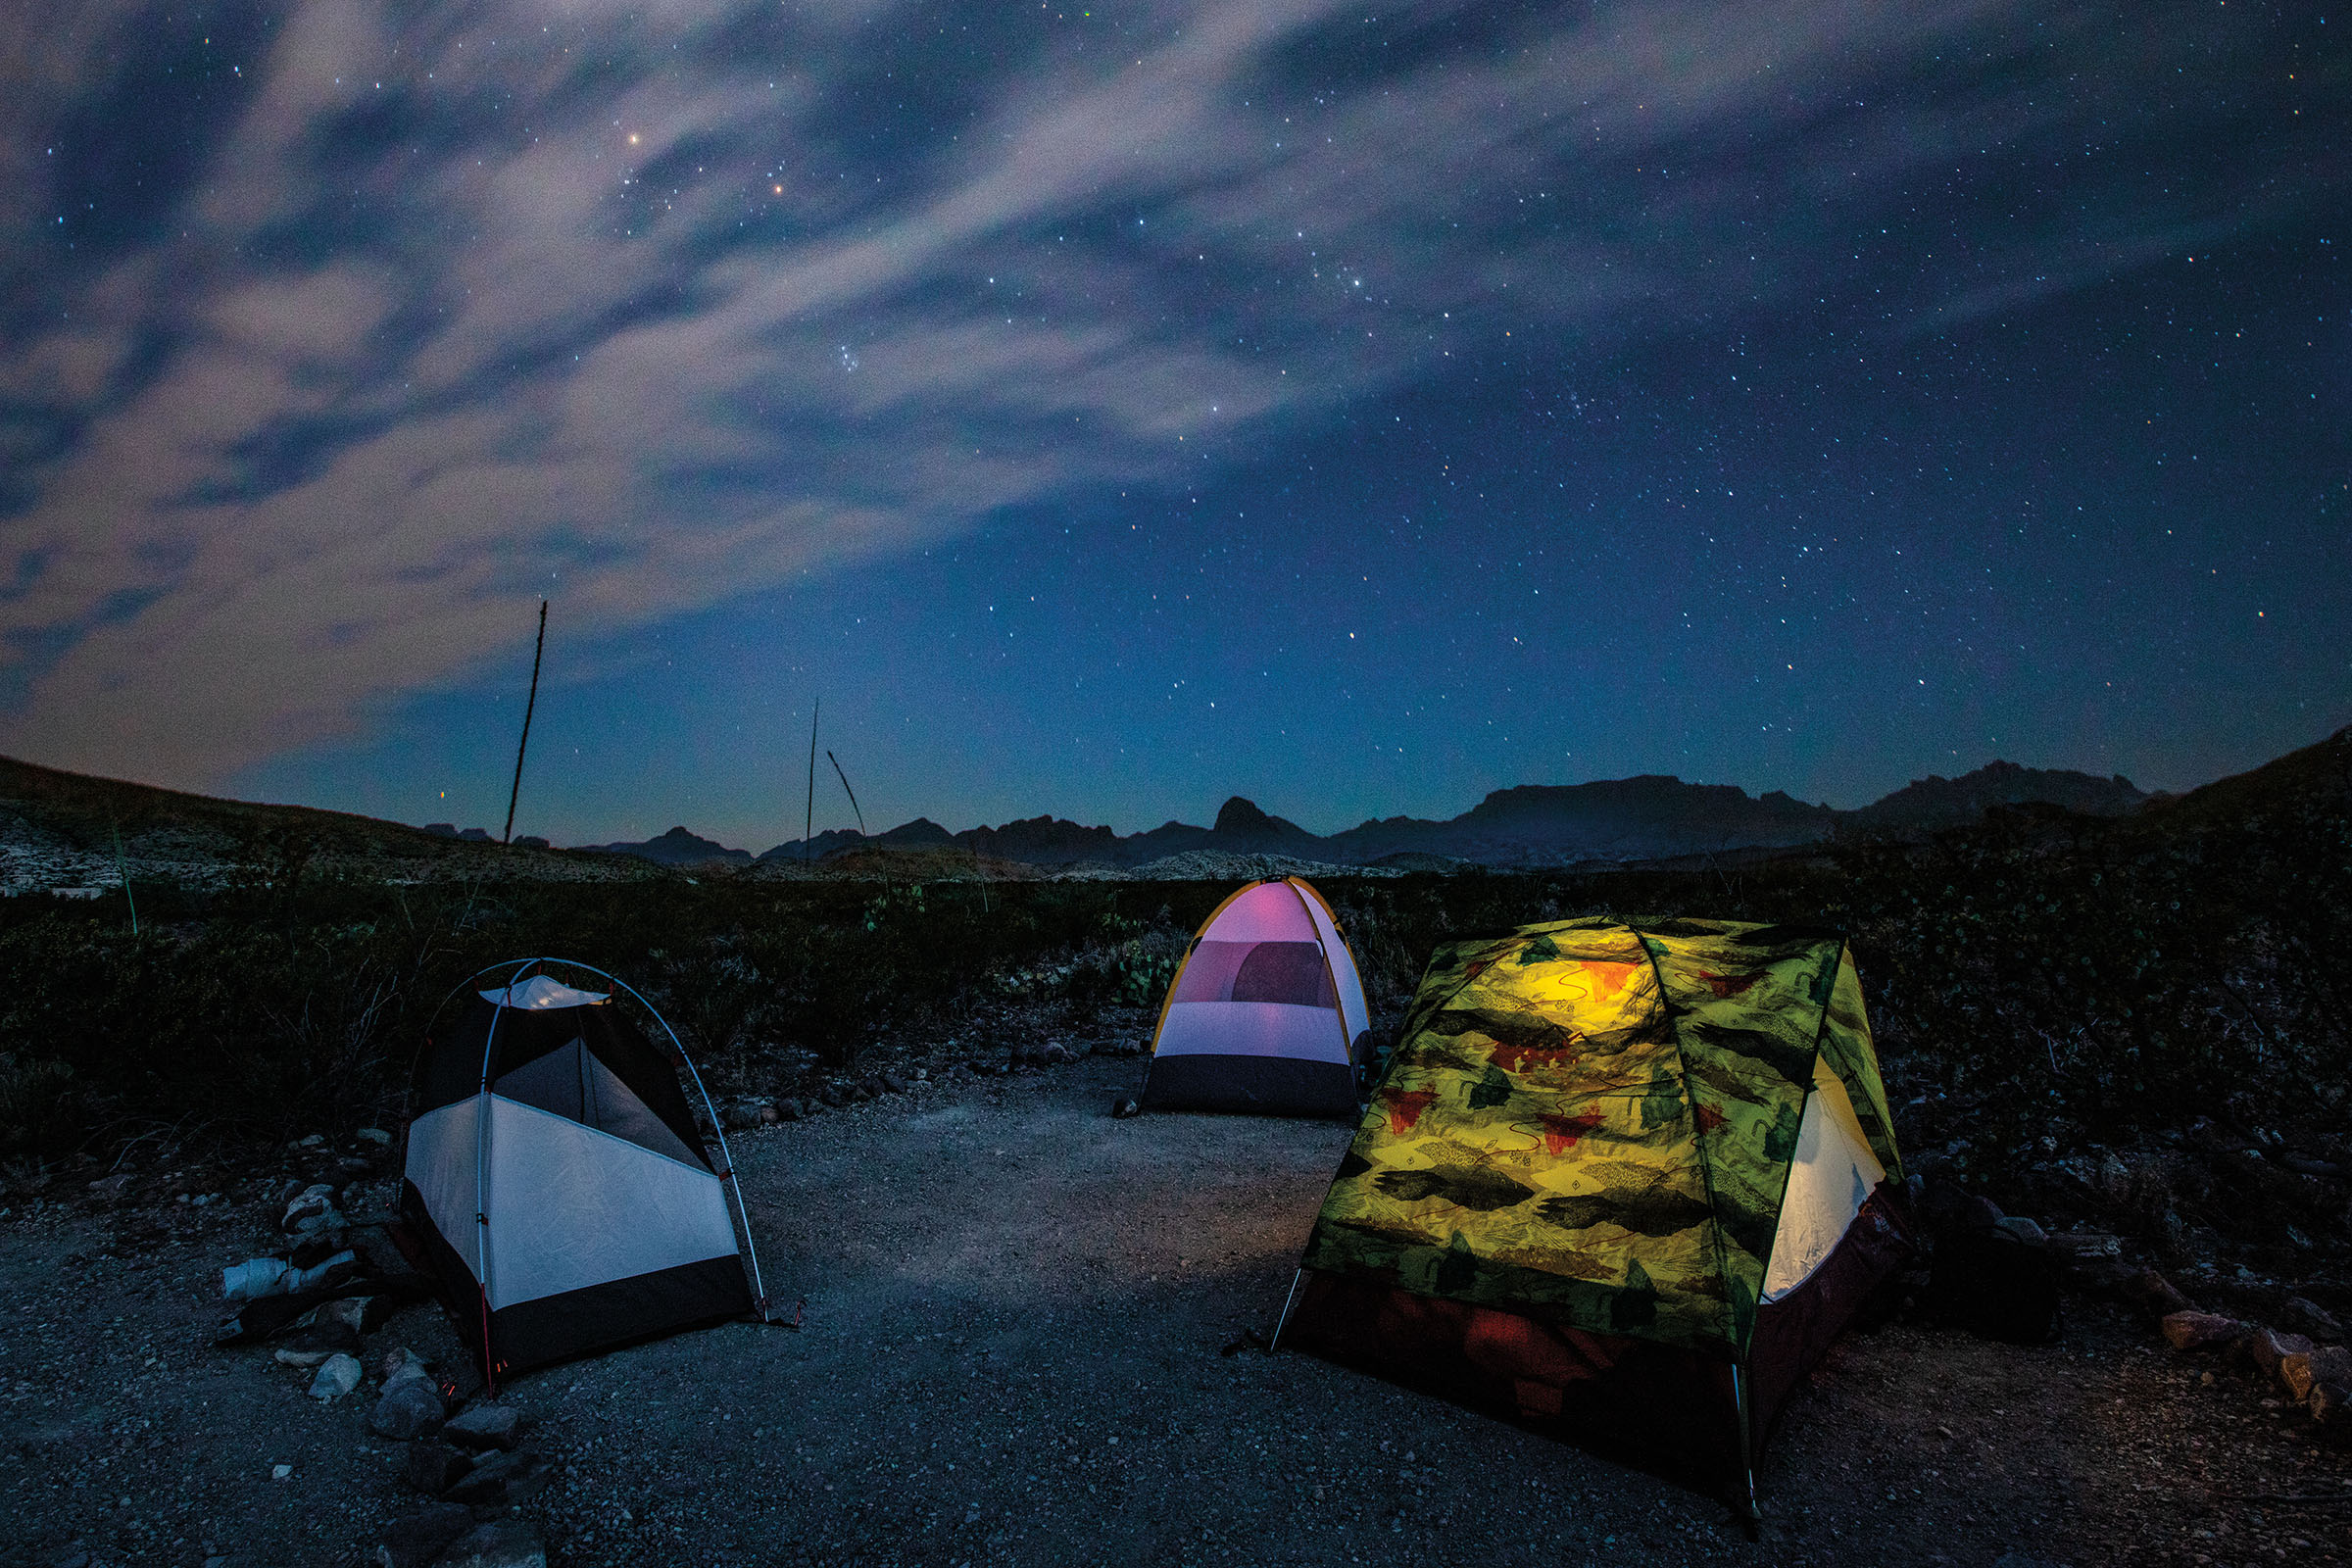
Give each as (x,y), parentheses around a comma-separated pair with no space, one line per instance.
(2309,1317)
(432,1466)
(2079,1244)
(895,1083)
(373,1135)
(2267,1348)
(833,1094)
(1979,1213)
(408,1408)
(1124,1108)
(743,1116)
(111,1188)
(2154,1294)
(322,1336)
(509,1543)
(338,1375)
(2201,1331)
(418,1539)
(304,1360)
(403,1362)
(2302,1372)
(500,1477)
(485,1426)
(770,1116)
(2023,1229)
(362,1314)
(281,1472)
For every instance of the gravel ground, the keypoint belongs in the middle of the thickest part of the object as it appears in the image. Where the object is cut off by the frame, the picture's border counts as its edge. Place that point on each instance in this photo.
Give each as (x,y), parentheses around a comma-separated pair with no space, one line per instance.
(1010,1353)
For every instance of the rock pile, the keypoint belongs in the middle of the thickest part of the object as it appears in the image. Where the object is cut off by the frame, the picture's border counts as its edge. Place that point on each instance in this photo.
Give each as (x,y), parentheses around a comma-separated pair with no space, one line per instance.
(2314,1375)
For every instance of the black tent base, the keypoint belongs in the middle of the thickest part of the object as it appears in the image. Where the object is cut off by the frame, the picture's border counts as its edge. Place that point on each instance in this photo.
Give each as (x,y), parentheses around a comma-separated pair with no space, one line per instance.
(1258,1086)
(573,1323)
(624,1311)
(1671,1411)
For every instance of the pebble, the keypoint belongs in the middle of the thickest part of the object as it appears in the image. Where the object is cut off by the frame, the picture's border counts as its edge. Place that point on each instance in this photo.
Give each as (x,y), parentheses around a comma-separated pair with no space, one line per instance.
(500,1477)
(432,1468)
(418,1539)
(338,1376)
(485,1426)
(408,1408)
(501,1543)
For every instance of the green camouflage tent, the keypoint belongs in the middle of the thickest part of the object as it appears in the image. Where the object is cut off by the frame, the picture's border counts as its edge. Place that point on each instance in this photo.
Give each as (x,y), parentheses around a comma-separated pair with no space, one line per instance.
(1621,1181)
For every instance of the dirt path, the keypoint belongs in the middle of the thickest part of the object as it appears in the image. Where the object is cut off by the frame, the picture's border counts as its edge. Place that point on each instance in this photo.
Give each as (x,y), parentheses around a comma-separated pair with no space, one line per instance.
(1010,1354)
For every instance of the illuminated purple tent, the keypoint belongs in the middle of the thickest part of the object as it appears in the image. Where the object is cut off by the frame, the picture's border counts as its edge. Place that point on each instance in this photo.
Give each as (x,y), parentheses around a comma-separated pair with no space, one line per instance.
(1267,1013)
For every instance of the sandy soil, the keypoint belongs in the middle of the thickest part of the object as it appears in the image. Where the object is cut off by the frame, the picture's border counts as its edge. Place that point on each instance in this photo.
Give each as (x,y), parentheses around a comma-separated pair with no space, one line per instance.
(1010,1353)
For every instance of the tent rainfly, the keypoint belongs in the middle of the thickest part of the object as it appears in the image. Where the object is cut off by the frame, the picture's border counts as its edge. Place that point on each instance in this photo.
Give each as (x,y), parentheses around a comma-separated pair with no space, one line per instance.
(1622,1182)
(1265,1013)
(557,1192)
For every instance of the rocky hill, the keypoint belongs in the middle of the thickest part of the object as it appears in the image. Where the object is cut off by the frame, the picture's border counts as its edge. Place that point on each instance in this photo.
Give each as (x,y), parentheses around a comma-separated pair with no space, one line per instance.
(60,829)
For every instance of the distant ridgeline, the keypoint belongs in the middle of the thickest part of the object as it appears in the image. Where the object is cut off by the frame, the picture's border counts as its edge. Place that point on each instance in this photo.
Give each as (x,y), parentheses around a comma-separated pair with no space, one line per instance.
(1652,817)
(69,831)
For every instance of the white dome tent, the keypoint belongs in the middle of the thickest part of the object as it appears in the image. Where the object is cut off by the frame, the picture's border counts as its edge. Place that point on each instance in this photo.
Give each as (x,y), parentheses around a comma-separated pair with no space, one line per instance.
(557,1190)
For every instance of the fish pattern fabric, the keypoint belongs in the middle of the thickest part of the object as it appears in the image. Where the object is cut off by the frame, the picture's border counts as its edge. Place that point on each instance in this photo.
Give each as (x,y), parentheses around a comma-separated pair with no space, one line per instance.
(1592,1123)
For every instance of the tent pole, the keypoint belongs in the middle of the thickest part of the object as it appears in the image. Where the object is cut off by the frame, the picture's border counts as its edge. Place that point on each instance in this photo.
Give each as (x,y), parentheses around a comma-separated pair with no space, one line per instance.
(1282,1321)
(750,1249)
(1749,1514)
(481,1175)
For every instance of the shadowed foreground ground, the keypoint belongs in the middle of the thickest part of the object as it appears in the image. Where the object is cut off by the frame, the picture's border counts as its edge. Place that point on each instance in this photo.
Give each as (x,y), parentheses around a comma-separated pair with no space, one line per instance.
(1010,1354)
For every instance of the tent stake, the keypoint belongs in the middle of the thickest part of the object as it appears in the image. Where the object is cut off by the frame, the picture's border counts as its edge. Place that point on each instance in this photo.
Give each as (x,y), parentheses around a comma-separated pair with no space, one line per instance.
(1282,1321)
(515,793)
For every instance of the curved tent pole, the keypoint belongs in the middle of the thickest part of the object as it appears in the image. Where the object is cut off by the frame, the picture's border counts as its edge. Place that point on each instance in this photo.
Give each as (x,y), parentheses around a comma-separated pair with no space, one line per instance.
(1339,1009)
(481,1169)
(751,1247)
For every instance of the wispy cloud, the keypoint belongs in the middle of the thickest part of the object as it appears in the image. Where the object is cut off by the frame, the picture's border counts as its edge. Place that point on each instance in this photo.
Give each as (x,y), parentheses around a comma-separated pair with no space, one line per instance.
(652,307)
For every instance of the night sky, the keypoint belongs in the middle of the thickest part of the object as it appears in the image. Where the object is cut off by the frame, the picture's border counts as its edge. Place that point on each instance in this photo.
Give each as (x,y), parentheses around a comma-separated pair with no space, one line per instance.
(1105,411)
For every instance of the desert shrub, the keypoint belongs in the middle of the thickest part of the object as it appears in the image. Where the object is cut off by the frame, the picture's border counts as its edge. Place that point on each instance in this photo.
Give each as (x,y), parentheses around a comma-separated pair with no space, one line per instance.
(2036,972)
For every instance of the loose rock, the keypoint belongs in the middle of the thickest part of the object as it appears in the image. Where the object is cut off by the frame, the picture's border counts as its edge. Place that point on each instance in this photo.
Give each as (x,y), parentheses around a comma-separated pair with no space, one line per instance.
(2311,1318)
(2023,1229)
(408,1408)
(2154,1294)
(501,1543)
(421,1538)
(338,1375)
(485,1426)
(2306,1371)
(500,1477)
(432,1466)
(2201,1331)
(1124,1108)
(2265,1347)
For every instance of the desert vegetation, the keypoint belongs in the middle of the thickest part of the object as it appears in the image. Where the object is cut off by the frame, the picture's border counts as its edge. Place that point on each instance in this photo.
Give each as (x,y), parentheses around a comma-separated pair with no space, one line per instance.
(2048,991)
